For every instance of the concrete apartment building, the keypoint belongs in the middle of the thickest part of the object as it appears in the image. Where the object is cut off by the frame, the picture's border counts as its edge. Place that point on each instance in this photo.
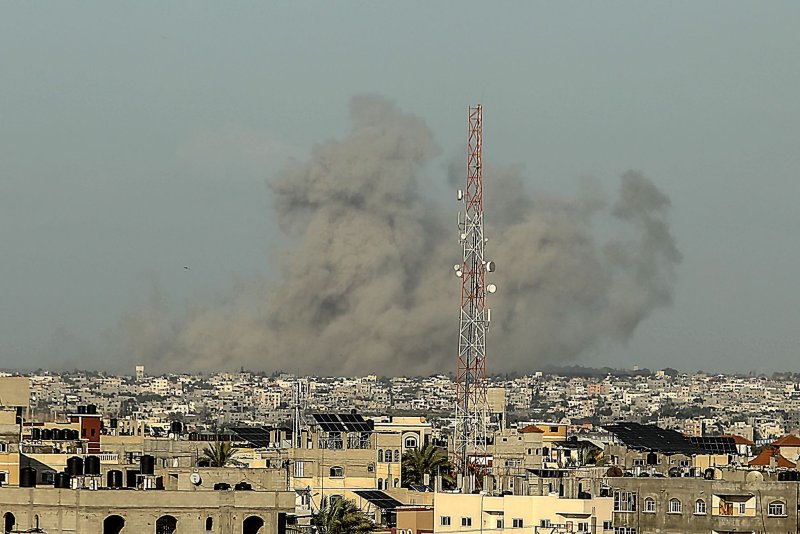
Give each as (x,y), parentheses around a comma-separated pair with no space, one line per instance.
(455,512)
(745,502)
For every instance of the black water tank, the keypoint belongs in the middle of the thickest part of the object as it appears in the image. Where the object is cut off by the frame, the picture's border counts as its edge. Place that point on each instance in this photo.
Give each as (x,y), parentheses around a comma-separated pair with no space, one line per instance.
(147,464)
(47,434)
(27,477)
(81,410)
(36,433)
(132,476)
(708,474)
(92,465)
(222,486)
(113,422)
(114,479)
(243,486)
(91,409)
(75,466)
(62,480)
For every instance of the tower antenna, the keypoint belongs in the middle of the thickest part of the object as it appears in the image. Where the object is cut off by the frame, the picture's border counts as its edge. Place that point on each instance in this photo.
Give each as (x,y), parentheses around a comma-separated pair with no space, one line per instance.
(470,437)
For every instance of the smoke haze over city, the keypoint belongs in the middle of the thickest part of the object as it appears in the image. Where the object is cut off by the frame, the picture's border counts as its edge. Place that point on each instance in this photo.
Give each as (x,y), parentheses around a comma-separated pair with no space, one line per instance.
(282,196)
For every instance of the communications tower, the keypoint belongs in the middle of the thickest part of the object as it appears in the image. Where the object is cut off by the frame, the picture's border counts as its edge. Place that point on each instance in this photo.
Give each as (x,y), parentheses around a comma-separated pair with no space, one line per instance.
(470,432)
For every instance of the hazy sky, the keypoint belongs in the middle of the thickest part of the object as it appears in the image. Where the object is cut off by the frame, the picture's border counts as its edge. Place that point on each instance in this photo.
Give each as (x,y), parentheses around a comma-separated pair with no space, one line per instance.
(136,139)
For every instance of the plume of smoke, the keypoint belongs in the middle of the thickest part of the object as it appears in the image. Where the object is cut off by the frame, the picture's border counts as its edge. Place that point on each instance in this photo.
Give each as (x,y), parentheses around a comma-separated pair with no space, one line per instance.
(368,285)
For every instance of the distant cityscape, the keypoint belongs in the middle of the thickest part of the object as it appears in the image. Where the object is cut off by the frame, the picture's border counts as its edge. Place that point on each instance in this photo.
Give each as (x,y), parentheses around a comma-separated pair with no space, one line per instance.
(759,408)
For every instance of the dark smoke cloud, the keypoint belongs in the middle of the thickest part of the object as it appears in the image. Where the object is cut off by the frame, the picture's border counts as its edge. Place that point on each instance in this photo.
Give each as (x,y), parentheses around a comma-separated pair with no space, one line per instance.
(368,284)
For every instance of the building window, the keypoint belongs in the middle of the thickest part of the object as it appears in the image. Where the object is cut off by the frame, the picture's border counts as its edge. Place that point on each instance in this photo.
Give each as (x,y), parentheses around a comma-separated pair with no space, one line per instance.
(638,462)
(608,525)
(299,468)
(517,523)
(583,527)
(624,501)
(166,524)
(444,520)
(380,483)
(499,524)
(700,507)
(397,483)
(380,455)
(650,505)
(466,521)
(624,530)
(411,443)
(209,524)
(675,506)
(337,472)
(776,508)
(742,508)
(397,455)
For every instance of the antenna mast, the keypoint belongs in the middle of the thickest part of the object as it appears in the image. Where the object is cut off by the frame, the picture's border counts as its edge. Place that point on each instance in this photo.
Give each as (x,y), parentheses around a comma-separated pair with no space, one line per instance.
(470,433)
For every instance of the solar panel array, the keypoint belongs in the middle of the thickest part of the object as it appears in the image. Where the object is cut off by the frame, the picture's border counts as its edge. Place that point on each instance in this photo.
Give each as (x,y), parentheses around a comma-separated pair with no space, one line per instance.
(255,435)
(379,499)
(715,444)
(341,422)
(653,438)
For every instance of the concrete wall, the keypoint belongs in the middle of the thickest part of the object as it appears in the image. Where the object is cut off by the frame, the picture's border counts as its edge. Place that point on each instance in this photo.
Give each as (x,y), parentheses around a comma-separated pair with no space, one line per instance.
(83,512)
(755,517)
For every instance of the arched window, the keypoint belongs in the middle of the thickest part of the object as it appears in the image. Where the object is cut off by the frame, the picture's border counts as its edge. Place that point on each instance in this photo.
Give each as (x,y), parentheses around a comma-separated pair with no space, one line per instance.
(397,455)
(397,483)
(776,508)
(380,483)
(253,525)
(36,521)
(166,524)
(337,471)
(113,524)
(209,524)
(9,522)
(675,506)
(411,442)
(700,507)
(380,455)
(650,505)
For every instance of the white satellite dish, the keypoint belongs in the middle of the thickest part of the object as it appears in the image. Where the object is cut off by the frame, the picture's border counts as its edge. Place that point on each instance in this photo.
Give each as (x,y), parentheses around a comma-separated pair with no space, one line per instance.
(463,236)
(457,266)
(491,288)
(195,479)
(490,266)
(459,273)
(460,194)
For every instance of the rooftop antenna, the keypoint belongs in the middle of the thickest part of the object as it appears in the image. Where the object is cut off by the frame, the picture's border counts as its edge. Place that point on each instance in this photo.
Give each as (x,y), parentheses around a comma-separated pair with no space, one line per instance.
(470,436)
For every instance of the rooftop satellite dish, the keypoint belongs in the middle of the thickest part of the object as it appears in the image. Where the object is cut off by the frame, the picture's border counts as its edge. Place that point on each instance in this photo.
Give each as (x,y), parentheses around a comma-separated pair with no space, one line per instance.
(460,194)
(457,266)
(491,288)
(459,273)
(195,479)
(463,236)
(490,266)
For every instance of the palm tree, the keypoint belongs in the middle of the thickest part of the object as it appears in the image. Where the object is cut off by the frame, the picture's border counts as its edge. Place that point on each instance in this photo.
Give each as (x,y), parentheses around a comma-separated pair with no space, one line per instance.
(220,454)
(429,460)
(341,516)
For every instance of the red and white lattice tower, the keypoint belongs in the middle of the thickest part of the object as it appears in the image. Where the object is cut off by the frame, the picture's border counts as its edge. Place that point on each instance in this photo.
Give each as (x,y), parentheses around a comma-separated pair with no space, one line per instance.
(470,432)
